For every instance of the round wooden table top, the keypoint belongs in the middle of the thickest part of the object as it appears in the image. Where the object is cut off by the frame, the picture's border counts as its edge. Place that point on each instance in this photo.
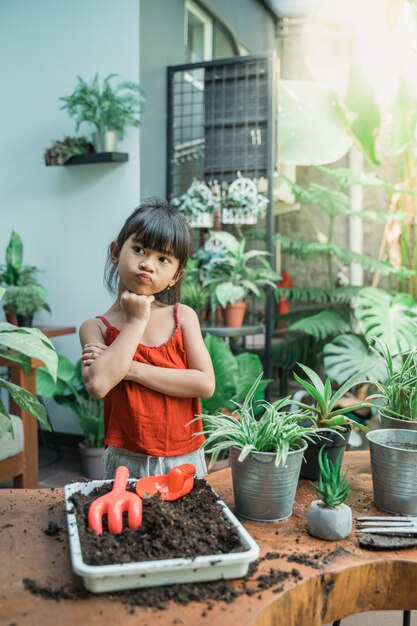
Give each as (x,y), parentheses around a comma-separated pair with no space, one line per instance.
(317,582)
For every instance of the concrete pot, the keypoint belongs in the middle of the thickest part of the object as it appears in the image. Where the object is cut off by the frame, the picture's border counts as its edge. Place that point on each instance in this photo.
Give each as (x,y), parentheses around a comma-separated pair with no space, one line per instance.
(394,469)
(387,421)
(262,491)
(330,524)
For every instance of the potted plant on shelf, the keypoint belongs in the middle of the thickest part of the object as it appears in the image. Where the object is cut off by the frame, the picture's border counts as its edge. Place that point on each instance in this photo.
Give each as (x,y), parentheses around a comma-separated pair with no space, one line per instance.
(398,391)
(234,273)
(111,109)
(265,454)
(332,421)
(241,202)
(329,518)
(198,205)
(24,301)
(13,273)
(61,151)
(69,389)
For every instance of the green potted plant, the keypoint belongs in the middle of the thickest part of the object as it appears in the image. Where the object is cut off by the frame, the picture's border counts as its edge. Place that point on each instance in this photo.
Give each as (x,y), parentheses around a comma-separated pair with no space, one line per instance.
(198,205)
(234,273)
(234,375)
(24,301)
(69,390)
(398,391)
(329,518)
(61,151)
(265,454)
(241,202)
(333,422)
(110,108)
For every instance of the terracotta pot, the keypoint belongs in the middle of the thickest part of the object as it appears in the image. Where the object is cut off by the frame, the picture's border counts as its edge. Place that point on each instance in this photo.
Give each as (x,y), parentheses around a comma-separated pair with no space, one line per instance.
(10,317)
(234,314)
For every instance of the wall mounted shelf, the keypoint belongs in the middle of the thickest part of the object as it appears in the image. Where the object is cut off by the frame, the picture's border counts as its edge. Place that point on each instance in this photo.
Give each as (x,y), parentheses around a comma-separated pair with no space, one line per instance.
(98,157)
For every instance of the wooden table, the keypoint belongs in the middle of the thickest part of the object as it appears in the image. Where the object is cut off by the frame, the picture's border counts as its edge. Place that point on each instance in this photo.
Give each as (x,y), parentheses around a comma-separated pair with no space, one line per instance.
(351,581)
(24,467)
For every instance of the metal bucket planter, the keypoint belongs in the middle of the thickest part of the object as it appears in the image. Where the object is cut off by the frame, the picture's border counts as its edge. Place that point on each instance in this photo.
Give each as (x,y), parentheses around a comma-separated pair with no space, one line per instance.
(105,142)
(394,469)
(394,422)
(333,441)
(262,491)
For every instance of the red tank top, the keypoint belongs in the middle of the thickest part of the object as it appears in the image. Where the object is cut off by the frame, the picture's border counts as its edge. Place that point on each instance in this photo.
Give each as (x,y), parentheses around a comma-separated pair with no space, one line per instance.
(142,420)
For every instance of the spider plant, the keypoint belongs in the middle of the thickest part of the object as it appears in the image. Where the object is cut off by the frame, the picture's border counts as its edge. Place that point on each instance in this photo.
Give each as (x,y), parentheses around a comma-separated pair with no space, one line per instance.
(332,488)
(276,431)
(399,390)
(325,409)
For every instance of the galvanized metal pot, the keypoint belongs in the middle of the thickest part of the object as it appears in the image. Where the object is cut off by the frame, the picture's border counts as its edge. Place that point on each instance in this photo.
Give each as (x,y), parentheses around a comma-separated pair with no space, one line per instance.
(262,491)
(394,469)
(387,421)
(105,142)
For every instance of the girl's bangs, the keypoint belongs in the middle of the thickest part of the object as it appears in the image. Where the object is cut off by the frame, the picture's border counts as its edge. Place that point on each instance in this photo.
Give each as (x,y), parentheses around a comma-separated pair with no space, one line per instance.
(163,235)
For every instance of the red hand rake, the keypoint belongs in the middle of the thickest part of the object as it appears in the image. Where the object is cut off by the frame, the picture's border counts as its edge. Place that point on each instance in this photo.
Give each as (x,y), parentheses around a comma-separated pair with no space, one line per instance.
(115,503)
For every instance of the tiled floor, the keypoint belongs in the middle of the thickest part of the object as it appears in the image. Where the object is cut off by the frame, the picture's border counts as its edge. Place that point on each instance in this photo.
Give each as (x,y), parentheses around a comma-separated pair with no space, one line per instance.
(57,467)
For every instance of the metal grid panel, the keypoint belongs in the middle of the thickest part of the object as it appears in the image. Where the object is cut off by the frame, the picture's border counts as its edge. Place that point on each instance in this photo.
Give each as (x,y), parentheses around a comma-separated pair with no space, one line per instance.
(219,121)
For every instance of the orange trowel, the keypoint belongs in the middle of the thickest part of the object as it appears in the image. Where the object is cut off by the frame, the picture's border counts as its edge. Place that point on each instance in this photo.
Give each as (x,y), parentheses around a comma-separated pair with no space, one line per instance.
(177,483)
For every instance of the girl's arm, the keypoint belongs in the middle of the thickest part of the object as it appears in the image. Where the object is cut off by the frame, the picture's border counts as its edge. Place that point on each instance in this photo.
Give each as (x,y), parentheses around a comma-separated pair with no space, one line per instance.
(195,382)
(107,369)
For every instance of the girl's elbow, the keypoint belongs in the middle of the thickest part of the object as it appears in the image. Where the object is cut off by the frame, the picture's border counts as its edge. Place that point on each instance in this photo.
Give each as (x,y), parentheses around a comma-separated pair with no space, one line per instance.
(208,389)
(95,389)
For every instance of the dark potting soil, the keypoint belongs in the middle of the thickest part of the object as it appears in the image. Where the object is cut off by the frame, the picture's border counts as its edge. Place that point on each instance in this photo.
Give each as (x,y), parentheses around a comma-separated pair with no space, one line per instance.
(191,526)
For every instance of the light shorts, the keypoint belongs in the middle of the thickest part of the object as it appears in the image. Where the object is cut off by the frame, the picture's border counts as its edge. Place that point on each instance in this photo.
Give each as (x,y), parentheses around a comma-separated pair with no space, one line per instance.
(140,465)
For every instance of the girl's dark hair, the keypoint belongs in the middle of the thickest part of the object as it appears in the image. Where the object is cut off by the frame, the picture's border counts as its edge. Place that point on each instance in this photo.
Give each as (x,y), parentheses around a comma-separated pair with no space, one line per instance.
(159,227)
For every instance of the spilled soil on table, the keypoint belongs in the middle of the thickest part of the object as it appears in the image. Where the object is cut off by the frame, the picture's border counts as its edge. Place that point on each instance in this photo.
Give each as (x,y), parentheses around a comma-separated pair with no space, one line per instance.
(191,526)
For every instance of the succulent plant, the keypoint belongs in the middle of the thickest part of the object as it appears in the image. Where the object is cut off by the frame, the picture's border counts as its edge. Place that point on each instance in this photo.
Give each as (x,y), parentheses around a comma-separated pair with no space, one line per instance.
(332,488)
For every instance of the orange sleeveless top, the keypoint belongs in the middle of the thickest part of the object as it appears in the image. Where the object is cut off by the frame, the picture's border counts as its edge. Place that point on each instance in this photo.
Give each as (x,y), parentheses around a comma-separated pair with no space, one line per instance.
(142,420)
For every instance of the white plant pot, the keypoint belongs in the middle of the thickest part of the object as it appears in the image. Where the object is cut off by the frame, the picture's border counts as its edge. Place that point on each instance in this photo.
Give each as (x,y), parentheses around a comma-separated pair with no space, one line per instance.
(237,216)
(202,220)
(329,524)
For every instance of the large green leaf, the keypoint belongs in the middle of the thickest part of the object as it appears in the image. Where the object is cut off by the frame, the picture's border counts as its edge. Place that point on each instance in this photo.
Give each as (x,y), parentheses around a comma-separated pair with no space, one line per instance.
(311,129)
(393,318)
(225,371)
(46,386)
(31,342)
(348,355)
(18,359)
(249,368)
(26,401)
(327,323)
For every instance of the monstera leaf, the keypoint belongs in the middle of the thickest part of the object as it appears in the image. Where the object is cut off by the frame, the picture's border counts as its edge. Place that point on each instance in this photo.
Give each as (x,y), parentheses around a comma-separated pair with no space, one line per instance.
(349,354)
(392,317)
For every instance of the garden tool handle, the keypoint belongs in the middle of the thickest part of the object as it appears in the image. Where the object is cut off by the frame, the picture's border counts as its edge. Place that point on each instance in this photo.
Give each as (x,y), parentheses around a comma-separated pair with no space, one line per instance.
(187,468)
(120,479)
(178,475)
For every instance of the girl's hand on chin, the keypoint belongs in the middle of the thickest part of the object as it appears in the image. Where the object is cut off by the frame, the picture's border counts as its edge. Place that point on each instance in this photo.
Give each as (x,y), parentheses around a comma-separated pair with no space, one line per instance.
(136,306)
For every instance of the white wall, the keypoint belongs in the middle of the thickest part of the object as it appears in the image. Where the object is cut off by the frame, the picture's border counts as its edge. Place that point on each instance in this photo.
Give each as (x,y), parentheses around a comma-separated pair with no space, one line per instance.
(66,216)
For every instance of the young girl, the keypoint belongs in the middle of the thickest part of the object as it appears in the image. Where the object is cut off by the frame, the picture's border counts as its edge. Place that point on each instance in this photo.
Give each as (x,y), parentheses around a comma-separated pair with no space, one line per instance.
(146,356)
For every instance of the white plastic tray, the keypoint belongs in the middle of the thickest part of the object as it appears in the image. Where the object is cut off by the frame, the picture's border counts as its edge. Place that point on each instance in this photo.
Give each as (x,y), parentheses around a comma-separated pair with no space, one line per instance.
(101,578)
